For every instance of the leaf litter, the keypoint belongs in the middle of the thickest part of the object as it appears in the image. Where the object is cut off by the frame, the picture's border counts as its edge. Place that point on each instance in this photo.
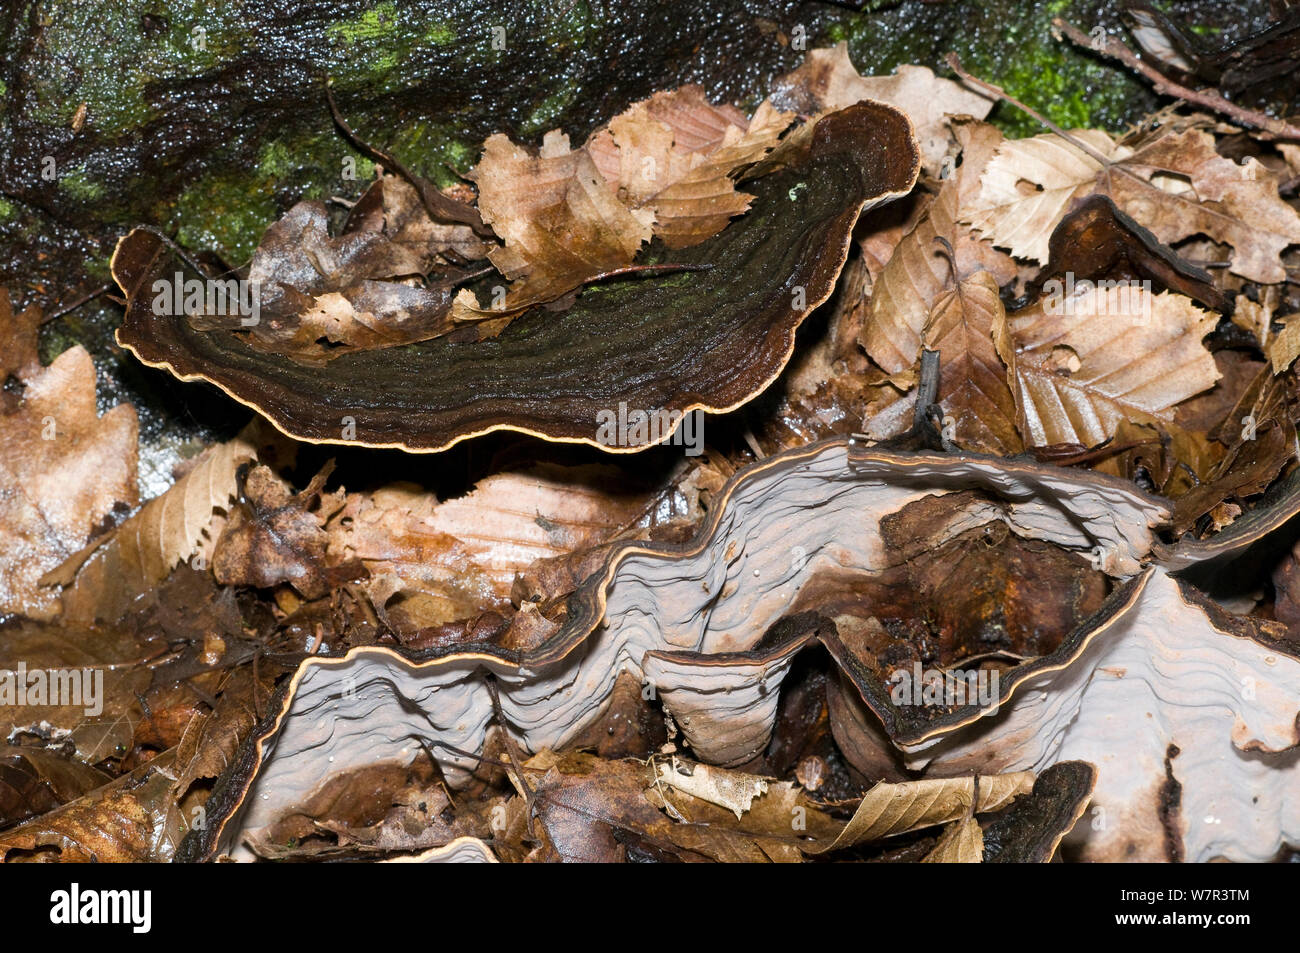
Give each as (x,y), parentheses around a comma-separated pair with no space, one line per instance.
(1057,373)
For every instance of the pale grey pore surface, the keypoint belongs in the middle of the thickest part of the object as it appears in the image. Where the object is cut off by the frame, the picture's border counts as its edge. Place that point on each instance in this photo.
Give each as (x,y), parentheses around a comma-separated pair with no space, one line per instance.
(785,520)
(1160,674)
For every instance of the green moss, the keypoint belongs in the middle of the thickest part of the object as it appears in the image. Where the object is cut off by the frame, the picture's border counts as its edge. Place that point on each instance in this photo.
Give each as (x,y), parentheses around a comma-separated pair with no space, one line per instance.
(6,210)
(442,33)
(117,60)
(545,113)
(225,213)
(81,186)
(433,150)
(275,161)
(376,23)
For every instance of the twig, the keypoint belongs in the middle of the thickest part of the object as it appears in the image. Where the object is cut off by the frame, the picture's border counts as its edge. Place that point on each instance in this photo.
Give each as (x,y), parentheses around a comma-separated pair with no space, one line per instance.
(1116,50)
(998,92)
(512,751)
(435,203)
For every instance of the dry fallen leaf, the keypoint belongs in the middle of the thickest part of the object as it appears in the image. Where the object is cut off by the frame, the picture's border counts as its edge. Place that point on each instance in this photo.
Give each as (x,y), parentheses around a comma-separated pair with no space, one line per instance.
(917,274)
(827,80)
(1177,185)
(1089,362)
(889,809)
(968,327)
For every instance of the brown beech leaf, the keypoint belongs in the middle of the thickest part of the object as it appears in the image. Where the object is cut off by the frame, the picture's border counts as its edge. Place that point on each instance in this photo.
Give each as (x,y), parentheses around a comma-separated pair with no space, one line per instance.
(1200,192)
(675,154)
(1284,347)
(98,673)
(211,738)
(968,327)
(917,274)
(1261,442)
(592,810)
(889,809)
(827,80)
(664,167)
(561,222)
(278,537)
(131,820)
(320,296)
(1108,358)
(36,780)
(1177,185)
(64,472)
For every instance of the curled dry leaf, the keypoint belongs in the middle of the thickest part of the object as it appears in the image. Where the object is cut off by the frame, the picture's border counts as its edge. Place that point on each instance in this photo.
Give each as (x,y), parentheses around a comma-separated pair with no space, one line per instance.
(918,273)
(1175,184)
(666,169)
(182,524)
(36,780)
(961,843)
(130,820)
(968,327)
(827,80)
(897,808)
(1028,185)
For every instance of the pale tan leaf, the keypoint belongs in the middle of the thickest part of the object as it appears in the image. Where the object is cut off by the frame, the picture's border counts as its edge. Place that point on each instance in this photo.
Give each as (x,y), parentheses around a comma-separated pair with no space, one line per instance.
(968,327)
(702,201)
(1028,186)
(63,470)
(733,790)
(459,556)
(561,222)
(182,524)
(1197,191)
(897,808)
(962,843)
(1086,363)
(1285,346)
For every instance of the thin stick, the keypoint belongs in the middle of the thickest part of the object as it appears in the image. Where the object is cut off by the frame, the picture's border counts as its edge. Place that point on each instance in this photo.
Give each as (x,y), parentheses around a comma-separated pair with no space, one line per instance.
(1116,50)
(998,93)
(76,304)
(435,203)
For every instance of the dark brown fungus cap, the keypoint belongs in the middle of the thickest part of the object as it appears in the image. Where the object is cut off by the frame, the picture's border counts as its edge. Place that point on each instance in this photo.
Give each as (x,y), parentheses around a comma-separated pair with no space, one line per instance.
(710,339)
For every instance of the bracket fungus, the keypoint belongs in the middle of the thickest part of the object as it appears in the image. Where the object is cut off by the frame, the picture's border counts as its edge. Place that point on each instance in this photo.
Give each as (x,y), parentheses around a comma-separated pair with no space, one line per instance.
(686,619)
(710,337)
(1188,713)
